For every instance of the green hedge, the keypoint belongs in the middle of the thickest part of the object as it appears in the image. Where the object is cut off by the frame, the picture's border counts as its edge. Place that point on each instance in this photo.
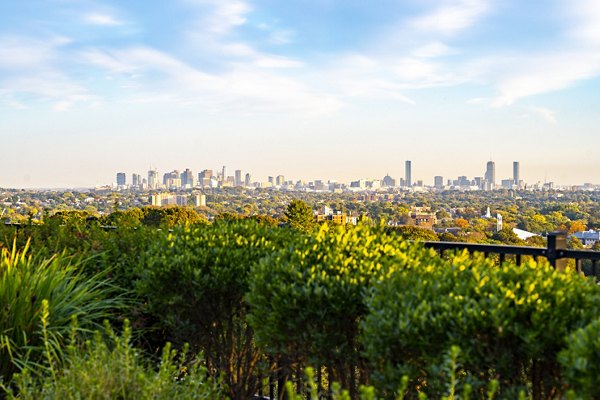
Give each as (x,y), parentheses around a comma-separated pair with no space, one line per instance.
(510,323)
(581,361)
(194,281)
(307,299)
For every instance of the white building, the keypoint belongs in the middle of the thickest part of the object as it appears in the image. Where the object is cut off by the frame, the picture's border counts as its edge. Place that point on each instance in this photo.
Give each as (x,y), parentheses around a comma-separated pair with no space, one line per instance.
(588,238)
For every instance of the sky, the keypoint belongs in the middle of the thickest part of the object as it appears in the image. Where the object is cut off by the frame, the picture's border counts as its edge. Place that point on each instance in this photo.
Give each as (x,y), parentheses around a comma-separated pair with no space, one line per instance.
(311,89)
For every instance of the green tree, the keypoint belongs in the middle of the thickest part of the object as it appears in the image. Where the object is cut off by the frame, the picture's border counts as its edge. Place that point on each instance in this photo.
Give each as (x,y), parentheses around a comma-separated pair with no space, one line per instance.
(507,236)
(300,215)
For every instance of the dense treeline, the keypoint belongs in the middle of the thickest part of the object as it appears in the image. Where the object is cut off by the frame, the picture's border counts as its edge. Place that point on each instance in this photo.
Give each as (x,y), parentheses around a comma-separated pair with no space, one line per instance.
(214,310)
(534,211)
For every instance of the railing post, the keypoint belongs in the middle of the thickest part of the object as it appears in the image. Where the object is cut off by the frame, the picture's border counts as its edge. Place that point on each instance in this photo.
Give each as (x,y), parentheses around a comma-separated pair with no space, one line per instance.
(557,241)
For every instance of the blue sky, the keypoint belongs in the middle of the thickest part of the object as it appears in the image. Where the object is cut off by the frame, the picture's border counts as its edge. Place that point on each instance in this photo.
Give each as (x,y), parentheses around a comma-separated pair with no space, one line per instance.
(314,89)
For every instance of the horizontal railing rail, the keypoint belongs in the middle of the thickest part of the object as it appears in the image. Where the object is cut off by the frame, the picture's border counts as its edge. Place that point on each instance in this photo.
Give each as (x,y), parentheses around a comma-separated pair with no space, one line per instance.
(556,251)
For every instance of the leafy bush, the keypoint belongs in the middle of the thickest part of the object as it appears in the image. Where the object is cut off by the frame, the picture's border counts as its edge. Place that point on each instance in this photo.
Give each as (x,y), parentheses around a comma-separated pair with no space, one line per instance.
(581,360)
(195,280)
(306,300)
(409,232)
(25,283)
(509,321)
(300,215)
(171,216)
(109,368)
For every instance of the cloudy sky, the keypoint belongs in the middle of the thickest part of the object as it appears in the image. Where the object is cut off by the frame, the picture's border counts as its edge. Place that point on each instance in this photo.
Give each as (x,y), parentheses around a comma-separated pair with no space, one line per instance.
(312,89)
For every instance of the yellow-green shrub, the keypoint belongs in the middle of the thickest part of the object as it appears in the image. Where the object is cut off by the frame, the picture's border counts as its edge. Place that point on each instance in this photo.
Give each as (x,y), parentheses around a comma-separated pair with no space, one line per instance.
(194,281)
(307,299)
(581,361)
(510,322)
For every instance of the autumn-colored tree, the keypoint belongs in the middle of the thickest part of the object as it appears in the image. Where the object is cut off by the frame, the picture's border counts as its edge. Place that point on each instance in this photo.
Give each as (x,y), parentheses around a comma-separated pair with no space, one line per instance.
(462,223)
(577,226)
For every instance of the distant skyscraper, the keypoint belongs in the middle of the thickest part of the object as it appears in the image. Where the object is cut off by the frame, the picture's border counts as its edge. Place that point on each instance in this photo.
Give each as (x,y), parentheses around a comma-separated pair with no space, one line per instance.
(206,174)
(153,179)
(121,179)
(224,174)
(187,178)
(279,180)
(172,179)
(438,182)
(516,175)
(408,174)
(238,177)
(248,180)
(490,173)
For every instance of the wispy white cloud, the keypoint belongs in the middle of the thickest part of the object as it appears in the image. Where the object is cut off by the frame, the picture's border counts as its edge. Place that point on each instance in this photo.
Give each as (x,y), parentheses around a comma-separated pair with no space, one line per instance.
(433,50)
(62,106)
(544,113)
(220,17)
(574,58)
(20,53)
(543,73)
(162,77)
(96,18)
(585,16)
(451,17)
(105,60)
(277,62)
(34,70)
(412,54)
(279,37)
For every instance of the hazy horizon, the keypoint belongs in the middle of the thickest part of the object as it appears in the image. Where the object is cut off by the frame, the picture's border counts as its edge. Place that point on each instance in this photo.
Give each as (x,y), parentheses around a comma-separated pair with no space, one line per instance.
(319,89)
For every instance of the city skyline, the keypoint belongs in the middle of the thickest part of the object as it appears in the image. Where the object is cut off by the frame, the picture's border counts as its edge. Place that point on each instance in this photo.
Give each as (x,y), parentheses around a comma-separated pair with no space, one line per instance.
(313,89)
(212,178)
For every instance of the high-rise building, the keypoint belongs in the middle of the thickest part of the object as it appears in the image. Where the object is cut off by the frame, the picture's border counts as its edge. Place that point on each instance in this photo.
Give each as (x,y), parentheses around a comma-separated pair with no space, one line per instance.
(408,174)
(204,178)
(516,173)
(490,173)
(279,180)
(238,177)
(206,174)
(248,180)
(438,182)
(136,181)
(153,179)
(172,180)
(187,178)
(223,174)
(121,179)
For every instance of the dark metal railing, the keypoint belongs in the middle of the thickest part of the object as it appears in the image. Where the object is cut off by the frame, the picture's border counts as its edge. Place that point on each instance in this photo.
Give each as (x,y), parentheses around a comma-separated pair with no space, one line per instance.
(556,252)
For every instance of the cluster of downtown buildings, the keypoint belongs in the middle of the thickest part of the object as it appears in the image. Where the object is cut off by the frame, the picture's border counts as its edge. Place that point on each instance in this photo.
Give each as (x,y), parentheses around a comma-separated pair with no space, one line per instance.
(176,180)
(208,179)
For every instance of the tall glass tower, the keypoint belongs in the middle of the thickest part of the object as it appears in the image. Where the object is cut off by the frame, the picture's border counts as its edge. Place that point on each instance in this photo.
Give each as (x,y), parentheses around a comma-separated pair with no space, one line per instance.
(490,173)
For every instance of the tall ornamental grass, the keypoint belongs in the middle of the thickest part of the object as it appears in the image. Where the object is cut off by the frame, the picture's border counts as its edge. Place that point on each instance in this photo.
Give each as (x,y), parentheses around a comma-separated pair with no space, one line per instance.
(26,281)
(108,367)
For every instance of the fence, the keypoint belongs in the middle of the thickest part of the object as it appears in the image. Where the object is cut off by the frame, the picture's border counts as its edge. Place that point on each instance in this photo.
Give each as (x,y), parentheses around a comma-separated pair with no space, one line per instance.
(556,252)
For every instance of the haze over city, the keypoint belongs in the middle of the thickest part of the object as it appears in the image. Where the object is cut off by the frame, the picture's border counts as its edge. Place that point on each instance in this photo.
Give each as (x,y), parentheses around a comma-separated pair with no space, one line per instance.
(317,89)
